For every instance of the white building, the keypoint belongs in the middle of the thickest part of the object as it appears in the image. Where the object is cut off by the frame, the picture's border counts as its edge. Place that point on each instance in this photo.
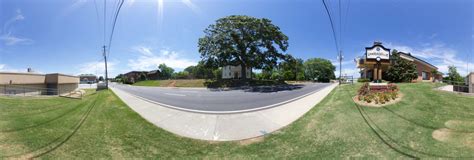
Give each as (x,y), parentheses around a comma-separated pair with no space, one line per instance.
(234,72)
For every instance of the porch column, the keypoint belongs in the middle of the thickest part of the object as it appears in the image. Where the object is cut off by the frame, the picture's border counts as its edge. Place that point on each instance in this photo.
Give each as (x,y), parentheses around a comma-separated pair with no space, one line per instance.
(380,74)
(365,73)
(375,73)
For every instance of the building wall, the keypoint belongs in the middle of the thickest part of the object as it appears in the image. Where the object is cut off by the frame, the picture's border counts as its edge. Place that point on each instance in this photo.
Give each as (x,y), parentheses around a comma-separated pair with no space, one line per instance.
(153,76)
(36,84)
(230,72)
(21,78)
(421,67)
(61,79)
(67,88)
(133,77)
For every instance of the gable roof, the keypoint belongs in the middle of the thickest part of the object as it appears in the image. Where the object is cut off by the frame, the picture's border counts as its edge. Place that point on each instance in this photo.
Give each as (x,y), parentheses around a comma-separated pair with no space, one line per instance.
(418,59)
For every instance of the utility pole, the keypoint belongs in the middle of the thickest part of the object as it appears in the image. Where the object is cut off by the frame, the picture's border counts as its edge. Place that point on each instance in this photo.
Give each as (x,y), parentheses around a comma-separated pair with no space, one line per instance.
(106,75)
(340,67)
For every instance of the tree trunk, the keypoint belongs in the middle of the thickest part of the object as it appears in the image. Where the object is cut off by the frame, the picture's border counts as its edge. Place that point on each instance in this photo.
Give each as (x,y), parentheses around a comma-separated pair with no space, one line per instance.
(243,72)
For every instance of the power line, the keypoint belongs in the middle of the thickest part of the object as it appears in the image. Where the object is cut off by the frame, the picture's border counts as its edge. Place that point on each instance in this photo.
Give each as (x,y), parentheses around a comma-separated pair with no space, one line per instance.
(345,17)
(106,49)
(335,37)
(340,24)
(332,26)
(113,26)
(97,14)
(105,19)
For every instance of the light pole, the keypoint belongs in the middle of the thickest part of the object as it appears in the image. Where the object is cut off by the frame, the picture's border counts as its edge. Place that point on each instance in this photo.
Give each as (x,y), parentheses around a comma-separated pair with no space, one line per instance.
(106,75)
(340,66)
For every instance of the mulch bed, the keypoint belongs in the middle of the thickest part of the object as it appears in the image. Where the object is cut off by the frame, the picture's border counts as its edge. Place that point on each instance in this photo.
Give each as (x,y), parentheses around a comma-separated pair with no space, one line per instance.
(372,104)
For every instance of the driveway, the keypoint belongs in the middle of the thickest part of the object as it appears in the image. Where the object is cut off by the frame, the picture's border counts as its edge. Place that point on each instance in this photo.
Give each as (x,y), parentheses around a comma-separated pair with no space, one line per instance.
(228,101)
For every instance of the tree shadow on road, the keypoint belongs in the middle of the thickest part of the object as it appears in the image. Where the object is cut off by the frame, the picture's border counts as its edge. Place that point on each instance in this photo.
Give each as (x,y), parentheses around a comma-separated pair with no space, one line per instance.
(263,86)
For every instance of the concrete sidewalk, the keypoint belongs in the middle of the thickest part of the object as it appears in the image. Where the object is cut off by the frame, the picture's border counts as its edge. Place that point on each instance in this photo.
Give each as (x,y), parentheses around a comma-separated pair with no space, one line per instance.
(223,127)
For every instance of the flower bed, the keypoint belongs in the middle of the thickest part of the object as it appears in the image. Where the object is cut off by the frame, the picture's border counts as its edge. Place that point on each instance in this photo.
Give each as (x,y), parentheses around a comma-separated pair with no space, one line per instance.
(377,95)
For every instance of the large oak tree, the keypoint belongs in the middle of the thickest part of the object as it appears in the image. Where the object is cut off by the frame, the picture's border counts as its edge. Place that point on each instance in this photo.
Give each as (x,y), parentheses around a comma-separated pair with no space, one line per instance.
(319,69)
(245,41)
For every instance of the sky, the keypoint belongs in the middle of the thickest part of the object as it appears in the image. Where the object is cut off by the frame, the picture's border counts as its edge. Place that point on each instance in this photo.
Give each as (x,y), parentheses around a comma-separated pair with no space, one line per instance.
(67,36)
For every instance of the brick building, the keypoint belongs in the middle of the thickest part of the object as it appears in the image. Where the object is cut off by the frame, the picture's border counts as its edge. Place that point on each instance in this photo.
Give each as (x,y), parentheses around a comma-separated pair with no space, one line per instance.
(377,60)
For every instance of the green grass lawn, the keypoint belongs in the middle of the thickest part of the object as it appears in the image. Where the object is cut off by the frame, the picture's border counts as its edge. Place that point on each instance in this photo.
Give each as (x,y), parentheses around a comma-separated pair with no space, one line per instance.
(173,83)
(102,126)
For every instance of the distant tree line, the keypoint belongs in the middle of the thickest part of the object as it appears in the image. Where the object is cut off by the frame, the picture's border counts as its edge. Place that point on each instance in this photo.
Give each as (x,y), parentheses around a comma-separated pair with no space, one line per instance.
(294,69)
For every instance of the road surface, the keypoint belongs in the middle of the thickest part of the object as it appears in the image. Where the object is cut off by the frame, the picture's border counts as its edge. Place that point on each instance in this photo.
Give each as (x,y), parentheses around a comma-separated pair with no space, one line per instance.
(215,100)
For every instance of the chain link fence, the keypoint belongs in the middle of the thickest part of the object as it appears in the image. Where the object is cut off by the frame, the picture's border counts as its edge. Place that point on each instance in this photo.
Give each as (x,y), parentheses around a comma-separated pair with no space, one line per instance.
(22,90)
(458,86)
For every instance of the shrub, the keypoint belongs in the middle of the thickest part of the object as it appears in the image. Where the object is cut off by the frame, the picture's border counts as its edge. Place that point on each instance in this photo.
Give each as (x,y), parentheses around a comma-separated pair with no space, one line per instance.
(392,87)
(387,96)
(363,80)
(394,95)
(365,94)
(369,98)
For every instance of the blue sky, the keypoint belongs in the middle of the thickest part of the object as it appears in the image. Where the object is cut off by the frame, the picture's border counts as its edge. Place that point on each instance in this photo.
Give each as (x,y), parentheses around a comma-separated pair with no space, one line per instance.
(66,35)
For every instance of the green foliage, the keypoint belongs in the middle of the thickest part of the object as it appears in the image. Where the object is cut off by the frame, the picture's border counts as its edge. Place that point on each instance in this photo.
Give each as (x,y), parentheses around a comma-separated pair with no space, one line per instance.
(276,75)
(165,71)
(453,76)
(143,77)
(217,73)
(290,69)
(119,76)
(243,40)
(434,73)
(101,78)
(401,70)
(319,69)
(181,75)
(362,80)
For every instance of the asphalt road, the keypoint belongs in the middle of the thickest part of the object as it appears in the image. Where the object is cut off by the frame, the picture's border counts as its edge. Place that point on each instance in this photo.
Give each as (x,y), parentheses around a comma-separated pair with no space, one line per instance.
(214,100)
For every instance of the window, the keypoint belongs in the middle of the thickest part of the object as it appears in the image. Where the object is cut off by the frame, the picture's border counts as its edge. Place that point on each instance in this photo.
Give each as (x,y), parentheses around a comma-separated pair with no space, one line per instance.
(424,75)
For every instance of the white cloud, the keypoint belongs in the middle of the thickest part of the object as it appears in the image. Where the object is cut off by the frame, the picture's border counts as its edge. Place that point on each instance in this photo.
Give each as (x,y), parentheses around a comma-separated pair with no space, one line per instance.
(7,37)
(437,54)
(9,40)
(336,62)
(18,17)
(148,60)
(97,68)
(143,50)
(348,72)
(5,68)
